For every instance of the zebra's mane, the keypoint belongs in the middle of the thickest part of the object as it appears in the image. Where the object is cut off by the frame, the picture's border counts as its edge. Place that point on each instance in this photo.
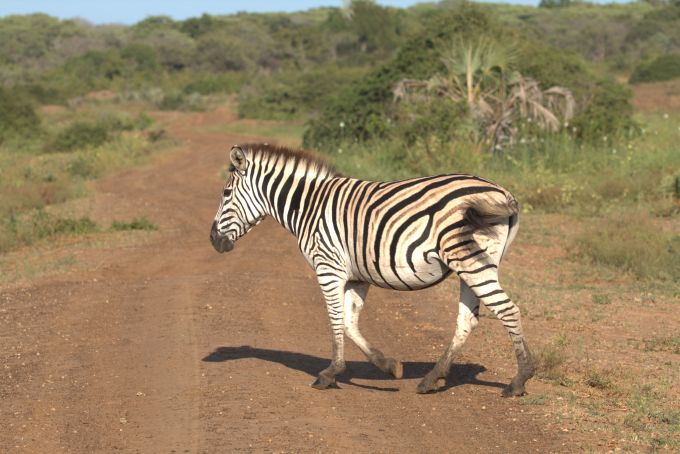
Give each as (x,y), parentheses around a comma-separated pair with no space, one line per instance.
(312,162)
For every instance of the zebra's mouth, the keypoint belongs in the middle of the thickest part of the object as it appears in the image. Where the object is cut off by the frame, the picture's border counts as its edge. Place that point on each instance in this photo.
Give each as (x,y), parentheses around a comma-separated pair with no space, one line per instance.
(223,244)
(219,242)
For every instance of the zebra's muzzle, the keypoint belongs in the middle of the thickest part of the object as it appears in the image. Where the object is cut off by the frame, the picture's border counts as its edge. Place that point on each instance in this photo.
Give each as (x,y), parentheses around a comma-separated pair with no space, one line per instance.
(219,242)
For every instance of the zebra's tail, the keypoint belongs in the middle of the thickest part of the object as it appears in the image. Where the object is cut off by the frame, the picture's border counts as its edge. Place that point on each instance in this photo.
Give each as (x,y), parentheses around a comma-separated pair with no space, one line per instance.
(485,211)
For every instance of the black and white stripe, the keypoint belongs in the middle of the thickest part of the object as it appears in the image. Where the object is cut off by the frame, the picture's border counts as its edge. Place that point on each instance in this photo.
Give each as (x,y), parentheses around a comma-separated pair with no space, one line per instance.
(403,235)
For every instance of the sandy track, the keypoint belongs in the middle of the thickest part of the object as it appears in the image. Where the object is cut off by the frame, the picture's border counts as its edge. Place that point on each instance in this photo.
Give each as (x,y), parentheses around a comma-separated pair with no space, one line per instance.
(167,346)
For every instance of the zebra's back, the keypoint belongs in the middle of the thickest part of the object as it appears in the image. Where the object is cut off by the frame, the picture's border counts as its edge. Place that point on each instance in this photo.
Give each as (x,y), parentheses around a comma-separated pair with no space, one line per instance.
(395,234)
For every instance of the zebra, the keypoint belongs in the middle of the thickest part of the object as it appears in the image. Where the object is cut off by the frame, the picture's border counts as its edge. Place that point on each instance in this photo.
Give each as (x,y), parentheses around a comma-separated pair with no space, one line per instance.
(403,235)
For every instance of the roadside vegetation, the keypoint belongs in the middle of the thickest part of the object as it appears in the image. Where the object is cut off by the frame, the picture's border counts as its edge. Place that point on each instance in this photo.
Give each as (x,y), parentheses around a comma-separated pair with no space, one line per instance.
(538,99)
(48,157)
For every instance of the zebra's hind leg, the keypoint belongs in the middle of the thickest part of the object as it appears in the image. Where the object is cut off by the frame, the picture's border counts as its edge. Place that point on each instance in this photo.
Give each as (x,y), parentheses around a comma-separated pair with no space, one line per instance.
(355,294)
(485,285)
(477,265)
(468,318)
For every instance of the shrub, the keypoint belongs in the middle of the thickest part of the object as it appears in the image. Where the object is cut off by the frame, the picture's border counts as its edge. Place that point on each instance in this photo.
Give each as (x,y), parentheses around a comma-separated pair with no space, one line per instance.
(440,119)
(214,83)
(363,106)
(608,113)
(665,67)
(294,93)
(142,57)
(94,70)
(598,379)
(81,134)
(181,101)
(549,361)
(366,107)
(75,226)
(17,115)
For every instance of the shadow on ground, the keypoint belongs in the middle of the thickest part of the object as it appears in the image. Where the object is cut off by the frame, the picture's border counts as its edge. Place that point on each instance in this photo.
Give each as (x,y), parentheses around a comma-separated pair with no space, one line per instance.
(460,373)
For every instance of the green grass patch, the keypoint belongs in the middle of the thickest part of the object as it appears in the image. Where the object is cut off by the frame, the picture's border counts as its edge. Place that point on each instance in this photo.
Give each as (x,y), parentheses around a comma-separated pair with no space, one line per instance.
(27,228)
(632,243)
(140,223)
(92,145)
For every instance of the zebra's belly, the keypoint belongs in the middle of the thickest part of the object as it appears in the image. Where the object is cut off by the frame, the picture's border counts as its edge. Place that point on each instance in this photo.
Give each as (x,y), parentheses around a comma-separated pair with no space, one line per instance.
(405,274)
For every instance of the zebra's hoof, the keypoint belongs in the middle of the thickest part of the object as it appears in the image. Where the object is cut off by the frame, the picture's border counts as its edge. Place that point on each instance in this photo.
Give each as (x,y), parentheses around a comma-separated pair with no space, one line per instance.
(395,367)
(428,385)
(513,391)
(323,382)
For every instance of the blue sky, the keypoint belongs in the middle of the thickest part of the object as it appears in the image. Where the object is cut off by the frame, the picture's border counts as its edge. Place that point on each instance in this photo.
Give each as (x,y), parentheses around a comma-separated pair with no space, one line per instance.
(130,11)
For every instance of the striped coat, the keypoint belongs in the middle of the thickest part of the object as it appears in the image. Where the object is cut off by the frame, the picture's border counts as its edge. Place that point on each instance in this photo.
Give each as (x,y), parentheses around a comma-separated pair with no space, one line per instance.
(403,235)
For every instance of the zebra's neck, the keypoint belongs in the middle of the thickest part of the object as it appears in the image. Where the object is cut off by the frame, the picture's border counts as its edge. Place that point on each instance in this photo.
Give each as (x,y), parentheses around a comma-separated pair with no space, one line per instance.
(293,194)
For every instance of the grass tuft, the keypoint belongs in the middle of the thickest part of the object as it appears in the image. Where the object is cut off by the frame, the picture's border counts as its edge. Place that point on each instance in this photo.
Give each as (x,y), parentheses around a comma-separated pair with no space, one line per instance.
(598,380)
(141,223)
(549,361)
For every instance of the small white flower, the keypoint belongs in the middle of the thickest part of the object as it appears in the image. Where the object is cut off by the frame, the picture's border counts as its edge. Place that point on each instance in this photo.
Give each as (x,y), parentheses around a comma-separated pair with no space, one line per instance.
(340,150)
(342,124)
(665,116)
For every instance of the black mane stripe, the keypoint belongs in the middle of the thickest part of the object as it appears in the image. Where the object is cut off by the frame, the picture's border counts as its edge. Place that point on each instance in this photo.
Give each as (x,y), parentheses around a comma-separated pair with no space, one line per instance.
(312,160)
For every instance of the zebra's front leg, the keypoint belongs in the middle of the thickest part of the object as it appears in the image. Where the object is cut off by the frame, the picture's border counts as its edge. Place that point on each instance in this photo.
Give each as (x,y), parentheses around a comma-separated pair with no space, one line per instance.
(355,294)
(333,289)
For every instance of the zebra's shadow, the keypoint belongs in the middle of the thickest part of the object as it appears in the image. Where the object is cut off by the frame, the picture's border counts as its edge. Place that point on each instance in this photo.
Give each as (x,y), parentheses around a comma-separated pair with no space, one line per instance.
(460,373)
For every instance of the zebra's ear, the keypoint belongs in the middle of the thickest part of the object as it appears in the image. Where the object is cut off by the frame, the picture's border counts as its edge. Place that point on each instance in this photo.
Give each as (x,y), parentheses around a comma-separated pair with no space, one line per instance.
(238,158)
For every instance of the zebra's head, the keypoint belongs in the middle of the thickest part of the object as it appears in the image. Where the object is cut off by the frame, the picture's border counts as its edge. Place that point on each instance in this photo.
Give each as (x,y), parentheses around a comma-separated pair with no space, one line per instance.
(239,211)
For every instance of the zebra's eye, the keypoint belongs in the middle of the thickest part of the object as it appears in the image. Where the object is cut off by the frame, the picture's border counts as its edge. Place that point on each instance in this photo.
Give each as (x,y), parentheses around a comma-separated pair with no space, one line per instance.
(227,192)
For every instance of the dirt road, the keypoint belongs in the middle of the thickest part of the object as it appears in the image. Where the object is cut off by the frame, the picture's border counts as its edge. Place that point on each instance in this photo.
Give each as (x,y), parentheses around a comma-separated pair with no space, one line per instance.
(163,345)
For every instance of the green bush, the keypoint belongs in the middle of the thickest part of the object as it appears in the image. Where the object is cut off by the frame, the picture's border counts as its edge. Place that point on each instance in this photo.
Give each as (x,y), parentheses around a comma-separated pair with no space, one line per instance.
(366,109)
(141,57)
(214,83)
(181,101)
(91,134)
(363,107)
(421,121)
(17,115)
(665,67)
(95,69)
(81,134)
(607,113)
(291,94)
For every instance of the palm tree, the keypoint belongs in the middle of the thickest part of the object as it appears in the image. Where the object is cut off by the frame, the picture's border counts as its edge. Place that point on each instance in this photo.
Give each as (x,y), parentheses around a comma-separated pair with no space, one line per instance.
(478,72)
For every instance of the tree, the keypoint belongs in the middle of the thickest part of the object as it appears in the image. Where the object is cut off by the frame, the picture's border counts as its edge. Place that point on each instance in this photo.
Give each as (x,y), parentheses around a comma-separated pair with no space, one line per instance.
(479,72)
